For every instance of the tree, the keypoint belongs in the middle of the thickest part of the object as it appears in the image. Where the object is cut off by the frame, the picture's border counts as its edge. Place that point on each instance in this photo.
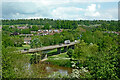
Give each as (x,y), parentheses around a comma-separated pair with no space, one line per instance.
(7,41)
(34,28)
(70,52)
(47,26)
(58,24)
(25,31)
(35,43)
(7,58)
(17,41)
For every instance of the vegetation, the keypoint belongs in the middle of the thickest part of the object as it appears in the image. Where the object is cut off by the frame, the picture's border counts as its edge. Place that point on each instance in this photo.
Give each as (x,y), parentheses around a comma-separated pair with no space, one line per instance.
(35,43)
(24,47)
(96,56)
(60,60)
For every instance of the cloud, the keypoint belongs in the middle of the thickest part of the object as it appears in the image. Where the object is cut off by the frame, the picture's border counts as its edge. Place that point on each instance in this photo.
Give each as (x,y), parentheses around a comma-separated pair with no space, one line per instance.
(54,1)
(91,11)
(67,12)
(23,10)
(99,6)
(64,9)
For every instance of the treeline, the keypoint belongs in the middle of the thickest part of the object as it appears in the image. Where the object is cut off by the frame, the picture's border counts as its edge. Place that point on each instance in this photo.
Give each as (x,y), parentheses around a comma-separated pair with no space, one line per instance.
(65,24)
(96,56)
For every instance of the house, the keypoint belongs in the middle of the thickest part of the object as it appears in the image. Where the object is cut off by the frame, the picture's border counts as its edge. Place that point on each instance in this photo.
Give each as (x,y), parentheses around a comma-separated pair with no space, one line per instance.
(26,34)
(56,31)
(39,31)
(45,31)
(27,40)
(50,31)
(24,27)
(61,30)
(12,26)
(15,33)
(33,31)
(117,33)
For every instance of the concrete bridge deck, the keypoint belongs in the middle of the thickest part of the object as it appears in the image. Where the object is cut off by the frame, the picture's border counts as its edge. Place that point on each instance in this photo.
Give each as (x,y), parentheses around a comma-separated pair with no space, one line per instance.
(48,47)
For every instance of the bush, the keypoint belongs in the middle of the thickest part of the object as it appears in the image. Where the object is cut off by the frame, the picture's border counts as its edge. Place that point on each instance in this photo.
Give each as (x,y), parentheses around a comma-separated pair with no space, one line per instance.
(70,52)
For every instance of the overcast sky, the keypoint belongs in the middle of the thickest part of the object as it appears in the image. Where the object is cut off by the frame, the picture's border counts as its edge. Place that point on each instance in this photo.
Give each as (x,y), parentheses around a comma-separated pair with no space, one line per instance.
(62,9)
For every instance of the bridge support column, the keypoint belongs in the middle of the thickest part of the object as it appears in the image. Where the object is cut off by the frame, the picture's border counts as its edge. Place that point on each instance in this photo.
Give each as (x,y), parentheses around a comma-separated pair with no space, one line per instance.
(45,56)
(69,47)
(73,46)
(65,48)
(58,50)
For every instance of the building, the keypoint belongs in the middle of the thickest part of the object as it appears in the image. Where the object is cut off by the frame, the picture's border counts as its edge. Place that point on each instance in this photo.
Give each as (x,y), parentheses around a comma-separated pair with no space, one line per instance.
(24,27)
(12,26)
(15,33)
(61,30)
(56,31)
(50,31)
(27,40)
(33,31)
(26,35)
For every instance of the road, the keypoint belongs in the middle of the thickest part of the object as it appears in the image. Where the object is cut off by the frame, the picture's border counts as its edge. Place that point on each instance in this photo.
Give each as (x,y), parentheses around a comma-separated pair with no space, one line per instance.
(48,47)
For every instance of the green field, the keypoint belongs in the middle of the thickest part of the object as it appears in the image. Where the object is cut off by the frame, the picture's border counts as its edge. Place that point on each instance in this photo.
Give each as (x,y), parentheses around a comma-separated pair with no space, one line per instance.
(23,47)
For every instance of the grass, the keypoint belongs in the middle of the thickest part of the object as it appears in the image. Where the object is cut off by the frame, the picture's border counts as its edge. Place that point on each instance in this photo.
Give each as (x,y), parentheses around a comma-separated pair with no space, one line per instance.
(60,60)
(62,55)
(24,46)
(54,52)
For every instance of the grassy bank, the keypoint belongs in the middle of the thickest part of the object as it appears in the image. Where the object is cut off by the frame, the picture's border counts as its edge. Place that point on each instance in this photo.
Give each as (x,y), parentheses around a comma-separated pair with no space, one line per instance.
(60,60)
(23,47)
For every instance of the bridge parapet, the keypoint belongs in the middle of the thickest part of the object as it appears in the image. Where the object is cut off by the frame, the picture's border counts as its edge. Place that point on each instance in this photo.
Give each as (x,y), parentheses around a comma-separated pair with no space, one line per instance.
(49,47)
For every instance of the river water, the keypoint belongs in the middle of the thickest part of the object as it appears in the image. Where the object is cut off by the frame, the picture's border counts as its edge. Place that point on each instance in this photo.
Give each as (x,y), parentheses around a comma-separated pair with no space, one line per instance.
(43,70)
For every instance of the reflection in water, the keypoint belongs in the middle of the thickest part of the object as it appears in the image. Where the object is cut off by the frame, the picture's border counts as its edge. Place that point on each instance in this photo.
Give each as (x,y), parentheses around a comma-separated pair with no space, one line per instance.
(43,70)
(48,69)
(27,67)
(63,72)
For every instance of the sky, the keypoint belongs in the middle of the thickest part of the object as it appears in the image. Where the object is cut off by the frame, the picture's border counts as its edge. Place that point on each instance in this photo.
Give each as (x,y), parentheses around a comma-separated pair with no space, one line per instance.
(60,9)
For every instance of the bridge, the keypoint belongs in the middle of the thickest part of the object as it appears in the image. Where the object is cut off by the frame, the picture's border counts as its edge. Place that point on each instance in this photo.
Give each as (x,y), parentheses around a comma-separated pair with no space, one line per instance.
(58,47)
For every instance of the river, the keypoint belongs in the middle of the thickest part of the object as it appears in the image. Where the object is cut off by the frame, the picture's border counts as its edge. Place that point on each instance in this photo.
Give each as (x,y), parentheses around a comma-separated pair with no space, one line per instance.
(44,69)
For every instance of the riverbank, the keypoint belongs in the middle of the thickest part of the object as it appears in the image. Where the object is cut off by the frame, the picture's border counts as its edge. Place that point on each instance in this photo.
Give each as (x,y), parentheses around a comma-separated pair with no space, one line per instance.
(60,60)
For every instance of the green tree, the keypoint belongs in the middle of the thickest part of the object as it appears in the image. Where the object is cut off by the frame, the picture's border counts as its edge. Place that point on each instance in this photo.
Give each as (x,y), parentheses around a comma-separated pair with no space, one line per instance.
(7,67)
(34,28)
(47,26)
(35,43)
(25,31)
(70,52)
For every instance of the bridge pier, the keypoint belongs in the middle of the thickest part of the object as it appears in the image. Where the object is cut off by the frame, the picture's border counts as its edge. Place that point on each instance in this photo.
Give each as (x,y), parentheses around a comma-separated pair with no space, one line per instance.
(65,49)
(73,46)
(69,47)
(58,50)
(45,56)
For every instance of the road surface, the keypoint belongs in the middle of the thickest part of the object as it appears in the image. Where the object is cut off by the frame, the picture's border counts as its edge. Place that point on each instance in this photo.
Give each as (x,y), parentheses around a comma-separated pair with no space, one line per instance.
(48,47)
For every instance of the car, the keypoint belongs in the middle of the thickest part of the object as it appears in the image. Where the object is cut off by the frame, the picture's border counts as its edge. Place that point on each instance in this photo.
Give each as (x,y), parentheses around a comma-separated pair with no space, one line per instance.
(67,41)
(75,41)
